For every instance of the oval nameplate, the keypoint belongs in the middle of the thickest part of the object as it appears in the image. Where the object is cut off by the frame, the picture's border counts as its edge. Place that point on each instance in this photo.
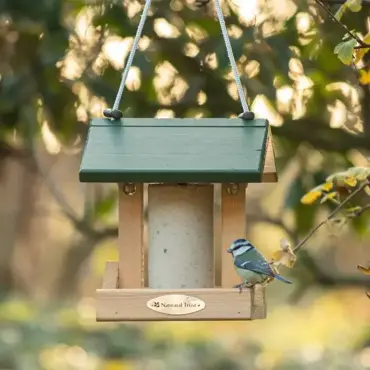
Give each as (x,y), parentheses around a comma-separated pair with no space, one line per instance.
(176,304)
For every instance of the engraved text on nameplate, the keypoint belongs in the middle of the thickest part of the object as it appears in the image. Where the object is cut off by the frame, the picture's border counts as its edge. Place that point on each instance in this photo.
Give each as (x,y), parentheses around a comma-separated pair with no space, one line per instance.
(176,304)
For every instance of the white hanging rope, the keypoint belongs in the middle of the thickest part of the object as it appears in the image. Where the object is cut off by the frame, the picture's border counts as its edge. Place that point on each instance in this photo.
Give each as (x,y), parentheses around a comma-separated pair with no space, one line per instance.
(229,50)
(230,55)
(132,54)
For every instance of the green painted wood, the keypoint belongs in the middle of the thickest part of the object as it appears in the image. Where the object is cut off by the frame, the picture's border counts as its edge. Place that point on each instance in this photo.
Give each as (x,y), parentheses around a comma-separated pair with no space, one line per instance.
(177,150)
(185,122)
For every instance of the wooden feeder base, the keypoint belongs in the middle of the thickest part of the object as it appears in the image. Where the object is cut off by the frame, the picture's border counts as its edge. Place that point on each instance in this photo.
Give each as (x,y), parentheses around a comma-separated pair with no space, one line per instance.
(115,304)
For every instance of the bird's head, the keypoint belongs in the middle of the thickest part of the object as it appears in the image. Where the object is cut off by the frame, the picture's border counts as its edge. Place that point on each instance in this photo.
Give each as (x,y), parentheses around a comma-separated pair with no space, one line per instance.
(240,246)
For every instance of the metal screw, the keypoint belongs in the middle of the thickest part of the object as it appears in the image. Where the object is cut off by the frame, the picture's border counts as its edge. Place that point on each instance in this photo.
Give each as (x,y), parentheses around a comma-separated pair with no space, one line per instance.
(233,188)
(129,188)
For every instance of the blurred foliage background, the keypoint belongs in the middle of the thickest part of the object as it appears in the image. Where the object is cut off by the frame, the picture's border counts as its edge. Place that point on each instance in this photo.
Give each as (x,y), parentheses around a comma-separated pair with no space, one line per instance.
(60,65)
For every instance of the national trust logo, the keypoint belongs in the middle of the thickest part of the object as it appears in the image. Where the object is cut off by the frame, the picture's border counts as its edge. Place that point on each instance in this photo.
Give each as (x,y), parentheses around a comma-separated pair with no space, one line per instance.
(176,304)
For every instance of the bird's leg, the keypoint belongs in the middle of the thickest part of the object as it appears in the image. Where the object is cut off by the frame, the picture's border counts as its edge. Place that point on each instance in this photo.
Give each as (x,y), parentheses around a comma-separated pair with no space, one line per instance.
(243,285)
(249,285)
(240,286)
(266,282)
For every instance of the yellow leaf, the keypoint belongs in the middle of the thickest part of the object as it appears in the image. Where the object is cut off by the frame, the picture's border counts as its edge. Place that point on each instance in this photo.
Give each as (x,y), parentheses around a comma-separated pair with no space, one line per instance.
(327,186)
(363,269)
(331,195)
(360,53)
(287,259)
(346,178)
(290,262)
(364,77)
(285,256)
(311,197)
(350,181)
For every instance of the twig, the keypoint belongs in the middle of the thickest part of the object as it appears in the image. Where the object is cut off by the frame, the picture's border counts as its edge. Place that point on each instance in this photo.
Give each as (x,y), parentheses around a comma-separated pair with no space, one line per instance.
(334,18)
(360,211)
(336,210)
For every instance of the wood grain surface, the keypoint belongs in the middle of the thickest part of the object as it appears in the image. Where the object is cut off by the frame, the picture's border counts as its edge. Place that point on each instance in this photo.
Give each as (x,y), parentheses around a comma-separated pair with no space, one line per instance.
(220,304)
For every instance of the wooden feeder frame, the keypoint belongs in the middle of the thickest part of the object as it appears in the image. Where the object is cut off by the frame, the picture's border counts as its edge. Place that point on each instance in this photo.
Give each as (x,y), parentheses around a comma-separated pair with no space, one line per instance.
(123,296)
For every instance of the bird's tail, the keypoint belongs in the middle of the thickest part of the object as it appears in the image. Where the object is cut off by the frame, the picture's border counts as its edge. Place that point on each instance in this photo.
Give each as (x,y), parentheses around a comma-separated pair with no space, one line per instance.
(282,279)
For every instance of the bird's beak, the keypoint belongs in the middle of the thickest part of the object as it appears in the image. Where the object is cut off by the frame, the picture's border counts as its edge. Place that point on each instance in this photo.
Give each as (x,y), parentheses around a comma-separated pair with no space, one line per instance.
(229,250)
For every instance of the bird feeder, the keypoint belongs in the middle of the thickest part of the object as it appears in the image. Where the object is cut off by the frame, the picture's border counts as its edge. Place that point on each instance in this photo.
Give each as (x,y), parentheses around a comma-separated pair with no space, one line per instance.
(181,160)
(176,165)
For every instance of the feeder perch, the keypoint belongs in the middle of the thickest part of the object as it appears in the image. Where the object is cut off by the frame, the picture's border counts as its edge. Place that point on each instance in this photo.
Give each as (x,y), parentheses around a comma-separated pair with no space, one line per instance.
(180,162)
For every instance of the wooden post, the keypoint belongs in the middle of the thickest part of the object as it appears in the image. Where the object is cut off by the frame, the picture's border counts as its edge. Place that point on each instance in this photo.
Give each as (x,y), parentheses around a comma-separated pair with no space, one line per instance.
(180,236)
(269,170)
(130,231)
(233,227)
(258,302)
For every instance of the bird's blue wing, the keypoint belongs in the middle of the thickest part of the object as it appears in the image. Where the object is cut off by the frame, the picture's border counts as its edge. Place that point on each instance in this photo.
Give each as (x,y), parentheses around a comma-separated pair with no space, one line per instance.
(260,267)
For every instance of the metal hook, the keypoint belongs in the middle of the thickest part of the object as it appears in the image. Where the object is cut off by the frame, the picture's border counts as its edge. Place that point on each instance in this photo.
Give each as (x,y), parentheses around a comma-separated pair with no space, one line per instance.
(129,188)
(233,188)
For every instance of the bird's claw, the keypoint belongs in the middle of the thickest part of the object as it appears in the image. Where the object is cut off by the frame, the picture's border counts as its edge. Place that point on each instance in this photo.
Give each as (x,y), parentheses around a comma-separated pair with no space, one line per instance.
(243,285)
(239,286)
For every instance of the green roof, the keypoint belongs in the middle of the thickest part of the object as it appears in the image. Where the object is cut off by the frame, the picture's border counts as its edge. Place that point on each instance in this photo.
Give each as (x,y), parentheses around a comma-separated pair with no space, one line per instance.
(213,150)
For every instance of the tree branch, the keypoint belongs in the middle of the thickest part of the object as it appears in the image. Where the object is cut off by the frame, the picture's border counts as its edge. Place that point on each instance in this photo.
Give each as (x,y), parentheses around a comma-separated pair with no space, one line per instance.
(359,212)
(320,135)
(361,43)
(331,216)
(321,276)
(80,250)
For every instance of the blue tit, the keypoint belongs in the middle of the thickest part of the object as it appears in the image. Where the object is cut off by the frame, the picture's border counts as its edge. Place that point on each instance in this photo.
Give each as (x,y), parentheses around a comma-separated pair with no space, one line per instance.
(250,265)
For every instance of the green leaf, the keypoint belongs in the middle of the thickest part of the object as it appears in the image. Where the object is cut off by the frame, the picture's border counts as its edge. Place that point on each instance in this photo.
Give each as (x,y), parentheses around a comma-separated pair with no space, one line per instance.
(345,50)
(351,5)
(354,5)
(341,11)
